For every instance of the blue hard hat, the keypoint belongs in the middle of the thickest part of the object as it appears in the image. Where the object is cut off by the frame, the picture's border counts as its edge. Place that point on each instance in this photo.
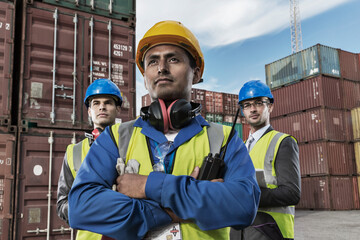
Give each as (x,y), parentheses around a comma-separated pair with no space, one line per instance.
(255,89)
(103,86)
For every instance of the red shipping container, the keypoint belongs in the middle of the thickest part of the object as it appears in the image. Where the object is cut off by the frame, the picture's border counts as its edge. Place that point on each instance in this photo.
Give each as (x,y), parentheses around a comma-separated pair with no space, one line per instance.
(326,158)
(218,102)
(39,159)
(310,93)
(316,124)
(328,193)
(228,104)
(7,176)
(349,65)
(63,53)
(351,94)
(7,20)
(246,130)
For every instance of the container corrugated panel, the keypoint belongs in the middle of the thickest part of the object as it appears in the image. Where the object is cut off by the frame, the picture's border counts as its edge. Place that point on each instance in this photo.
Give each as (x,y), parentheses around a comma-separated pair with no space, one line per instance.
(328,193)
(238,127)
(349,65)
(228,103)
(315,193)
(324,158)
(235,99)
(246,131)
(7,176)
(36,152)
(309,62)
(231,118)
(356,192)
(218,102)
(7,26)
(198,96)
(342,193)
(47,99)
(355,119)
(145,100)
(310,93)
(351,94)
(119,9)
(357,156)
(316,124)
(210,101)
(210,117)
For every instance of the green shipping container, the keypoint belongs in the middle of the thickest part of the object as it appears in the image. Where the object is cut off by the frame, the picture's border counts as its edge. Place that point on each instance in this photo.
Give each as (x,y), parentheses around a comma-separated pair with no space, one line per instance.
(238,128)
(119,9)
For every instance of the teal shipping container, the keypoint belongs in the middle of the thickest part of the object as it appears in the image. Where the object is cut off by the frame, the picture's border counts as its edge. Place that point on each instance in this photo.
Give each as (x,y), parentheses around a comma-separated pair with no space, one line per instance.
(238,128)
(318,59)
(119,9)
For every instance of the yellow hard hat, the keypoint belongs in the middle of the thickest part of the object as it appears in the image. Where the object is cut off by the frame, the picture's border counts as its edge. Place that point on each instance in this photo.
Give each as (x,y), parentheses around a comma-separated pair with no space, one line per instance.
(169,32)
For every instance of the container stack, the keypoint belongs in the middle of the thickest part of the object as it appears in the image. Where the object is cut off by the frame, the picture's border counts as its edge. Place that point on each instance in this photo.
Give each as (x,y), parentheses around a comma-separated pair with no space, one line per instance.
(50,52)
(314,91)
(215,106)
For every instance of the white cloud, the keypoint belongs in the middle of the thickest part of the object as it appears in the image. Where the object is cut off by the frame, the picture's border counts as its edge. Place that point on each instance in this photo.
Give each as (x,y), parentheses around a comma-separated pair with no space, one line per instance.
(219,23)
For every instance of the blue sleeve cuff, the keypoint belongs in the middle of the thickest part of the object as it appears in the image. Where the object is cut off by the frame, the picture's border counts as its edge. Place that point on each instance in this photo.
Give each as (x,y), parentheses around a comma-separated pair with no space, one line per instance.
(154,185)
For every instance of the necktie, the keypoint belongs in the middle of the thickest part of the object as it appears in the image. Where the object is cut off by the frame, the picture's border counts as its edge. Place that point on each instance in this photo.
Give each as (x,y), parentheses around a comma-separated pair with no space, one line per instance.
(250,141)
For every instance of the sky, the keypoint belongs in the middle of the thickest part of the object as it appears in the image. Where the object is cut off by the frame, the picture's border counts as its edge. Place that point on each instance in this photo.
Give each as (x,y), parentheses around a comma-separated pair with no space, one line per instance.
(239,37)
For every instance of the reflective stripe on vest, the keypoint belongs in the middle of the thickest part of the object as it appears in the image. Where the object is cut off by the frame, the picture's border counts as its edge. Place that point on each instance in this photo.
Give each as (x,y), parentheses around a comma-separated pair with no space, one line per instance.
(137,149)
(284,216)
(75,154)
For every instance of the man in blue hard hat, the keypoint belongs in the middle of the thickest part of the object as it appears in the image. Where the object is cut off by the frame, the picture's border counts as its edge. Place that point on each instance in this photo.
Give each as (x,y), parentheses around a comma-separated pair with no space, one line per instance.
(103,101)
(277,156)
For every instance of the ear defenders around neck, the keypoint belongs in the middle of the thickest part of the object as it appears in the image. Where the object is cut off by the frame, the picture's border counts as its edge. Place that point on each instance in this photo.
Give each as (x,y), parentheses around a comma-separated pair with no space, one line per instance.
(176,116)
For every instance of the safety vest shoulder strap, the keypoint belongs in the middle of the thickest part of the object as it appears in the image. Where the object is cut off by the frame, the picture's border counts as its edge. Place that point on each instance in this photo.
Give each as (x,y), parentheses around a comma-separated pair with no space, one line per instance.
(124,134)
(77,155)
(216,137)
(269,157)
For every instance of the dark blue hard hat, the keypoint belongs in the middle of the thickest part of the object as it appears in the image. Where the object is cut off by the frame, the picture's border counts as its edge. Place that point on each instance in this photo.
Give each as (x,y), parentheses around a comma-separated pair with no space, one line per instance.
(255,89)
(103,86)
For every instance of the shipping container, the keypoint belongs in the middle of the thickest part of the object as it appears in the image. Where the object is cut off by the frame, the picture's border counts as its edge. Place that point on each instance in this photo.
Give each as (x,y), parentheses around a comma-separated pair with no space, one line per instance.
(357,156)
(237,127)
(211,117)
(351,94)
(228,104)
(356,189)
(318,59)
(145,100)
(65,51)
(355,119)
(246,130)
(310,93)
(328,193)
(119,9)
(7,184)
(326,158)
(316,124)
(7,28)
(198,96)
(40,157)
(349,65)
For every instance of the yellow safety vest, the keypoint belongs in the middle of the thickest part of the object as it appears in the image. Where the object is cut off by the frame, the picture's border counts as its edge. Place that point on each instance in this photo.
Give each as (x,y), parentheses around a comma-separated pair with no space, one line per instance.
(138,149)
(263,155)
(75,154)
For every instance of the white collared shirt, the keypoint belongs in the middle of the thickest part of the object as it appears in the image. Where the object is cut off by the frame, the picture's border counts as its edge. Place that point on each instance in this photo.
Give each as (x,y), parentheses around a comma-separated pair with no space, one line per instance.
(257,135)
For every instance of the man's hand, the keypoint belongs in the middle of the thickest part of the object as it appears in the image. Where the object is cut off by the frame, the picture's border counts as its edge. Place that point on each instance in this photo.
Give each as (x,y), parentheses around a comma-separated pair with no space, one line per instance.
(196,171)
(131,185)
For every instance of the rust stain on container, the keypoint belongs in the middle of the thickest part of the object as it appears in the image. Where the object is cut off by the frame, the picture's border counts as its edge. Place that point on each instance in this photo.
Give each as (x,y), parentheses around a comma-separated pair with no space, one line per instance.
(324,158)
(7,176)
(7,20)
(310,93)
(328,193)
(36,152)
(315,124)
(48,88)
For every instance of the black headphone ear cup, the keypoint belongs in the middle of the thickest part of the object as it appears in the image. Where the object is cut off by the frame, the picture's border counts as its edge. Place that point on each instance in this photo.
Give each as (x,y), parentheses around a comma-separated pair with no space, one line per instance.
(179,113)
(158,115)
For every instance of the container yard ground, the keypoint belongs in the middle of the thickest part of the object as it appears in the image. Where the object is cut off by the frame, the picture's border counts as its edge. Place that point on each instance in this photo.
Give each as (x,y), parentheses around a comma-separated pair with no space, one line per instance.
(329,225)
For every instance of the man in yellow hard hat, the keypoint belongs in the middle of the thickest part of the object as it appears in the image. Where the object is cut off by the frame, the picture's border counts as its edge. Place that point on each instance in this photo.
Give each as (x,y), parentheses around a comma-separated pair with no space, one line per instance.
(169,197)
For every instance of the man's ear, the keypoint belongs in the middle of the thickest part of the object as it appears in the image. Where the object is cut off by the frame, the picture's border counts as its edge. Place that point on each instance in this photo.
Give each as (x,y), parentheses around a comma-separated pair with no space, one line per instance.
(271,107)
(196,77)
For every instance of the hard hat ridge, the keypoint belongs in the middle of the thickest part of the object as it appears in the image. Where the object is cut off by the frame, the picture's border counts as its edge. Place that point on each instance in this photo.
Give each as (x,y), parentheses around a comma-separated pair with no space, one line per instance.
(103,86)
(255,89)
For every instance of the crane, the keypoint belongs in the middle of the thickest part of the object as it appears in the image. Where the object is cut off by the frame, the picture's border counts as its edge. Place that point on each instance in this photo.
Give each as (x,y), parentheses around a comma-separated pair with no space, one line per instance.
(295,26)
